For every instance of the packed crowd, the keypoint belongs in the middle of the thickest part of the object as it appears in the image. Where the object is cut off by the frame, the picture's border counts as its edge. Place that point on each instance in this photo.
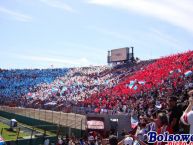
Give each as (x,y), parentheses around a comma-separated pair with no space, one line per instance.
(160,121)
(149,86)
(16,83)
(76,85)
(68,89)
(122,89)
(154,92)
(174,120)
(156,97)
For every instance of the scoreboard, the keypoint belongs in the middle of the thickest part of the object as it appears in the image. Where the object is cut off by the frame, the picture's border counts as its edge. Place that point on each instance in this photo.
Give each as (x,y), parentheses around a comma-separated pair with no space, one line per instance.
(120,54)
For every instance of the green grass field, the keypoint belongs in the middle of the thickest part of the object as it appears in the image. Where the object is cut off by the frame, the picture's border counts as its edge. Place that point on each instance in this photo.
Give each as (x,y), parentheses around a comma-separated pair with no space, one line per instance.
(9,135)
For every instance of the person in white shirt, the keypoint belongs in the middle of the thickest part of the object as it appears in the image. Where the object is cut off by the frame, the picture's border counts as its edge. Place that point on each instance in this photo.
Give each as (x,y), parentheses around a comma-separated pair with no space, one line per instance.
(128,141)
(60,142)
(91,138)
(187,117)
(47,142)
(131,140)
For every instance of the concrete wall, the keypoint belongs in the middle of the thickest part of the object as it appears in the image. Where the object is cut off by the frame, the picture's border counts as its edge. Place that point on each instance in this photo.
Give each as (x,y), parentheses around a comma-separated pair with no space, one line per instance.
(71,120)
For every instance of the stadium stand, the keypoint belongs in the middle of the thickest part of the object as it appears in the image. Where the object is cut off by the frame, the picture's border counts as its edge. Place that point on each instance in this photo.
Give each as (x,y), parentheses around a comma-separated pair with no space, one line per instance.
(16,83)
(163,77)
(142,90)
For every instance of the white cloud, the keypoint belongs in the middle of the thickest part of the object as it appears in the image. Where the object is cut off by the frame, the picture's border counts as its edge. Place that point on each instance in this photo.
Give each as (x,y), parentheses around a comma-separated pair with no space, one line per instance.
(16,15)
(164,37)
(58,4)
(58,62)
(109,33)
(175,12)
(112,33)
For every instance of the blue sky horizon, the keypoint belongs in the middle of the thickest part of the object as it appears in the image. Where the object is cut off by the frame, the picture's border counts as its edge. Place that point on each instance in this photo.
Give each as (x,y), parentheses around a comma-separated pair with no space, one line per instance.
(72,33)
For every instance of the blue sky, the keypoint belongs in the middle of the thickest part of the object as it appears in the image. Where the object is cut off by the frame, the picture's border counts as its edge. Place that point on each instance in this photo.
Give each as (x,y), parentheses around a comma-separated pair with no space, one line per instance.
(66,33)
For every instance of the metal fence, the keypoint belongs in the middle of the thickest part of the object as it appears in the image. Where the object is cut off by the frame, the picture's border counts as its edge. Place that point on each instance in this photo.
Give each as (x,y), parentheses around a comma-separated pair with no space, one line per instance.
(71,120)
(32,141)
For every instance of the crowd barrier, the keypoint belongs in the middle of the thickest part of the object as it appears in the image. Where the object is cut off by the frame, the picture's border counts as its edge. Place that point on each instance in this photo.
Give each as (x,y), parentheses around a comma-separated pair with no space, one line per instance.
(72,120)
(34,141)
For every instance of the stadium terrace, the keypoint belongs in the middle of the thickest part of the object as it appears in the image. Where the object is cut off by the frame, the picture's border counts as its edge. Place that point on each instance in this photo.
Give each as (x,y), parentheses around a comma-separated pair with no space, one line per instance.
(131,98)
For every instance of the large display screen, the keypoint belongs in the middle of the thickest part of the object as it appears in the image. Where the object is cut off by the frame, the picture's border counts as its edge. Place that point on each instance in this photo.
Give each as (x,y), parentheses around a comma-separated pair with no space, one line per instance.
(119,54)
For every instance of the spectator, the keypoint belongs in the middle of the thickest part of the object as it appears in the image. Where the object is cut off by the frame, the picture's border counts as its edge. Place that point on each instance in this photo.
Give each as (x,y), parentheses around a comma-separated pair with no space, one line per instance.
(60,141)
(66,140)
(91,138)
(131,140)
(81,142)
(128,141)
(112,138)
(187,117)
(47,142)
(175,112)
(163,126)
